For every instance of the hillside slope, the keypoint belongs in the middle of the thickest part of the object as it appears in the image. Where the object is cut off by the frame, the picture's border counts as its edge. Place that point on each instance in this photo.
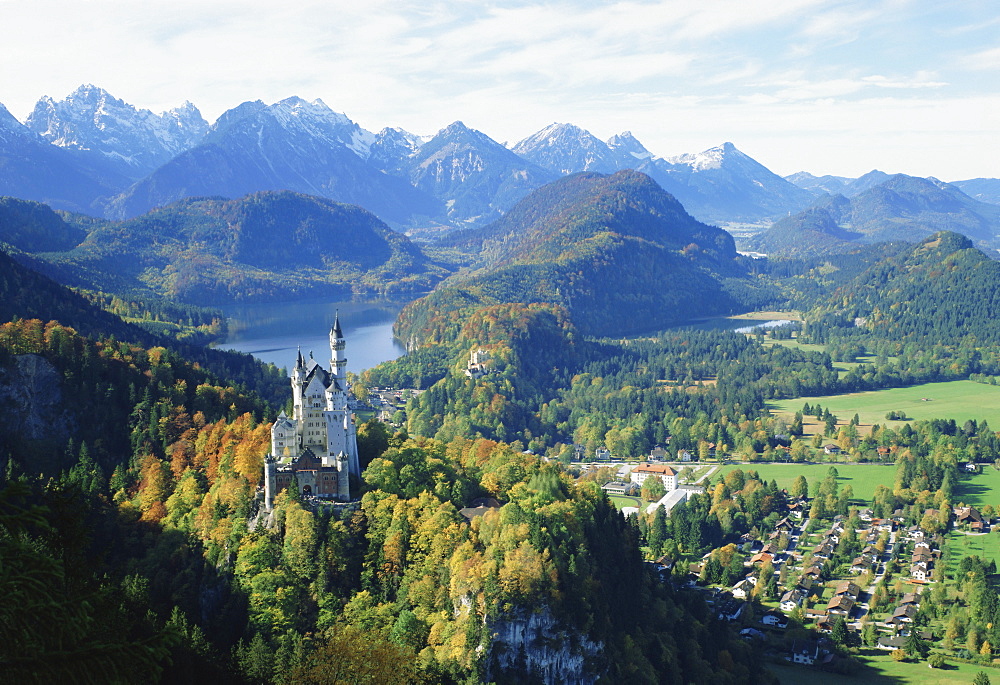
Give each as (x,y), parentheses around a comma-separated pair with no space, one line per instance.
(265,246)
(618,252)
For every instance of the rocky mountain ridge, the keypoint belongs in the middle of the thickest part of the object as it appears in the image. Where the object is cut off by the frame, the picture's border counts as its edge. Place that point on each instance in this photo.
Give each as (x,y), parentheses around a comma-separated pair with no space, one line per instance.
(95,153)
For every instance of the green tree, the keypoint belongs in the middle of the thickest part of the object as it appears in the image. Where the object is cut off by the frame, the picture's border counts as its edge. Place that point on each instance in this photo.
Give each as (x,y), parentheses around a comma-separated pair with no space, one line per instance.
(653,489)
(839,633)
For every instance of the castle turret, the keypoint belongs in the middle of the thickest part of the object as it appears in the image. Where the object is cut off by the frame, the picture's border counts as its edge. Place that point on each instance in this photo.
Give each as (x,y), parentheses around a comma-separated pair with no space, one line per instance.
(338,361)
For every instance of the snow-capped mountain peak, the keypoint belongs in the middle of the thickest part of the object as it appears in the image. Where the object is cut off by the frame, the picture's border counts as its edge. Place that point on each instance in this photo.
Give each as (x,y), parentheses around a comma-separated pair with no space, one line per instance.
(626,145)
(317,119)
(565,149)
(712,158)
(132,141)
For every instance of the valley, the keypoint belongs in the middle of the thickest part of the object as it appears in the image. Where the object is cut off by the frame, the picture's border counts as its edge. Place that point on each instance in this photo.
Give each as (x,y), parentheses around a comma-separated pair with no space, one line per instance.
(575,325)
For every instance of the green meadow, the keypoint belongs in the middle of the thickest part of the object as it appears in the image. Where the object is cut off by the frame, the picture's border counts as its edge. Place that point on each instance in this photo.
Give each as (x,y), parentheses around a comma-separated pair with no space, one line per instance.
(959,400)
(862,477)
(880,669)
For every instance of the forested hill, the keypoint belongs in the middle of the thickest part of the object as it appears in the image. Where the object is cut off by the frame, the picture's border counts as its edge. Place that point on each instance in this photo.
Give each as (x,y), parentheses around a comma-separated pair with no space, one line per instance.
(270,245)
(26,294)
(555,222)
(617,252)
(943,290)
(807,234)
(34,227)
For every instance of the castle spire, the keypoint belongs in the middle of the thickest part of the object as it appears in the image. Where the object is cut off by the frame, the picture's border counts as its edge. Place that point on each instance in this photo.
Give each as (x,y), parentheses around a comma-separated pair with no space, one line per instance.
(338,362)
(299,363)
(335,331)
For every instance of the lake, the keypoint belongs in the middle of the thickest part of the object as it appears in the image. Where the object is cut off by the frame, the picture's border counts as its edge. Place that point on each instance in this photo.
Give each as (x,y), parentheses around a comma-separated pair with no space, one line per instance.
(274,332)
(734,324)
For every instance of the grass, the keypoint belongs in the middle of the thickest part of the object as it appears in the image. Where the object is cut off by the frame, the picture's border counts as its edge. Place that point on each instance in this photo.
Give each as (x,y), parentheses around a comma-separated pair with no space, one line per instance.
(979,488)
(958,400)
(985,546)
(625,501)
(880,669)
(976,490)
(862,477)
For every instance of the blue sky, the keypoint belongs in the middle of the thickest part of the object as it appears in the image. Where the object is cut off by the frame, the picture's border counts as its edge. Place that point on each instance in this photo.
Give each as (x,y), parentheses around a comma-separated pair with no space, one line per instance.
(816,85)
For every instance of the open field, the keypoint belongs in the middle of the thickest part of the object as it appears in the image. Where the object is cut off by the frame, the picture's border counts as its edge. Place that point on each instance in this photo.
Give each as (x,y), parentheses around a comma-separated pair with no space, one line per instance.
(625,501)
(959,400)
(882,670)
(862,477)
(985,546)
(979,488)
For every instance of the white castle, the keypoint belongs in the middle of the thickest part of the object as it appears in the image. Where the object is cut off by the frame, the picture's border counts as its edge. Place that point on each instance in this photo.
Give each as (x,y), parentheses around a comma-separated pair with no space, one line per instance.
(317,446)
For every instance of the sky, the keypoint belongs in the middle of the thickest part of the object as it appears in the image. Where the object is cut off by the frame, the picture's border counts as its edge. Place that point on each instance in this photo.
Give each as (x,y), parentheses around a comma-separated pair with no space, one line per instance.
(825,86)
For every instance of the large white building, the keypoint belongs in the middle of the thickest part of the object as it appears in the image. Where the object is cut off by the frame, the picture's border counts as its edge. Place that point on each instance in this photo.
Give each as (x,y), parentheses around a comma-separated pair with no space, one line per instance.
(317,446)
(662,471)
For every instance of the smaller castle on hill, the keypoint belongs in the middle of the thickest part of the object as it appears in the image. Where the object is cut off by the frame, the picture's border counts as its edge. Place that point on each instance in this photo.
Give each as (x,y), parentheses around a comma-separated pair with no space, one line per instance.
(317,445)
(478,364)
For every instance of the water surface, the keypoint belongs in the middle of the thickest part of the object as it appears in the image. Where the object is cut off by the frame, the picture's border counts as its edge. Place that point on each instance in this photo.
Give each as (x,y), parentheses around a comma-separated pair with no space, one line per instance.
(273,332)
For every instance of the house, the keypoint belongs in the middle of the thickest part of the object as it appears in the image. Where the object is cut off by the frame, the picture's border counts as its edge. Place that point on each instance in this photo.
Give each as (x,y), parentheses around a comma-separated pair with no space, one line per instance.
(602,454)
(760,558)
(813,572)
(918,572)
(731,610)
(909,598)
(903,614)
(662,471)
(971,467)
(684,455)
(805,652)
(840,605)
(790,600)
(775,620)
(823,551)
(847,588)
(742,589)
(861,564)
(891,643)
(752,633)
(831,449)
(784,526)
(658,453)
(967,515)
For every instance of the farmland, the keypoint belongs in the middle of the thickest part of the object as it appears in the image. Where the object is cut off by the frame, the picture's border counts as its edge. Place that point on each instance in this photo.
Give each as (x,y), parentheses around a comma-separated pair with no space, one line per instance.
(862,477)
(958,400)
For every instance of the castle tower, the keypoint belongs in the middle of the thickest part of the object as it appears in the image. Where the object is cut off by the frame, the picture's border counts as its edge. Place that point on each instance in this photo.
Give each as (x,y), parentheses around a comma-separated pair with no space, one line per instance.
(298,385)
(338,361)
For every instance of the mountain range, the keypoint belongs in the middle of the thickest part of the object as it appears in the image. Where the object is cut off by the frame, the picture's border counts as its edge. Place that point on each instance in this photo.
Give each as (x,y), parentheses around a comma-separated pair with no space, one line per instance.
(92,152)
(899,207)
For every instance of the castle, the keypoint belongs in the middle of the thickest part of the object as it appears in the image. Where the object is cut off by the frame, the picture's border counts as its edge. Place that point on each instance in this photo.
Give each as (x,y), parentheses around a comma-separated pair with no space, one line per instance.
(317,446)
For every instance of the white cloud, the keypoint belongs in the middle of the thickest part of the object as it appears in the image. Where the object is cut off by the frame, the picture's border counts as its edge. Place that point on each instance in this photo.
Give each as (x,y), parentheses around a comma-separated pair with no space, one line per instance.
(788,76)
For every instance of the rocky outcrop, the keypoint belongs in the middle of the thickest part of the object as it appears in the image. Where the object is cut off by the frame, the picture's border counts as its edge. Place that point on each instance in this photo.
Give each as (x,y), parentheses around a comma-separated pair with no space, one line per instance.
(534,643)
(31,400)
